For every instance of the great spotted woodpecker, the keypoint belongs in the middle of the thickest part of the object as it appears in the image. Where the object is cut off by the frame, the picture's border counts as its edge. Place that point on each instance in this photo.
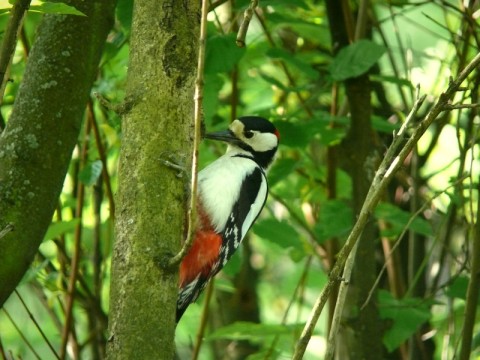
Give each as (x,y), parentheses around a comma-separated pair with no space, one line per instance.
(231,193)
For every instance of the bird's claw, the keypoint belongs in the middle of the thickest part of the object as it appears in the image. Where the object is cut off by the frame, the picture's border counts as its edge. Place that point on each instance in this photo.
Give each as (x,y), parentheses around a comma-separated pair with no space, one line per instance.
(173,162)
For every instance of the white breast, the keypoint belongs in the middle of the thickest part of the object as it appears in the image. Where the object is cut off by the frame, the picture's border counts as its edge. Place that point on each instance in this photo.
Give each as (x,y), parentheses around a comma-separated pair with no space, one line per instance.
(219,187)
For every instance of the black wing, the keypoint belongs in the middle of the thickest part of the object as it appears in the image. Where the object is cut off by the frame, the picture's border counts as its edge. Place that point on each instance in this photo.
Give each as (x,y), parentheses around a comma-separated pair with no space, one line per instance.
(232,234)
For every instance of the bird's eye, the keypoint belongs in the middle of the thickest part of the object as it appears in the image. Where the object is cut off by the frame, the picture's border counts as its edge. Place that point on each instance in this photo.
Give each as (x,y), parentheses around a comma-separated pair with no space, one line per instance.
(248,134)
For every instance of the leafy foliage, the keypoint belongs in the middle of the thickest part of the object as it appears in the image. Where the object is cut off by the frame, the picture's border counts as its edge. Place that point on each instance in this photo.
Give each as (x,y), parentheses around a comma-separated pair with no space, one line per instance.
(293,71)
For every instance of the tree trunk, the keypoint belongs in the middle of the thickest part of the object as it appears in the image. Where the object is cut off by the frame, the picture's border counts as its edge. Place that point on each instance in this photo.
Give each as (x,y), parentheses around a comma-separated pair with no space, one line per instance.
(358,157)
(37,143)
(151,196)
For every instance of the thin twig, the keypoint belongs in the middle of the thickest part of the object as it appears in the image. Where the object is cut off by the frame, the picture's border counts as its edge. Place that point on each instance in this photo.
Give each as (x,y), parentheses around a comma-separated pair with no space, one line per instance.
(76,252)
(340,304)
(389,166)
(103,158)
(461,106)
(247,17)
(191,212)
(2,351)
(37,325)
(472,291)
(291,80)
(203,320)
(22,335)
(216,4)
(402,234)
(300,283)
(10,39)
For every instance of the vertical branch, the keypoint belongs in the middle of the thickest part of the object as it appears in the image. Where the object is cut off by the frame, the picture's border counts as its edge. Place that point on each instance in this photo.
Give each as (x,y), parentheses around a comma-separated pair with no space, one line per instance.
(9,41)
(472,291)
(199,82)
(103,158)
(247,17)
(76,252)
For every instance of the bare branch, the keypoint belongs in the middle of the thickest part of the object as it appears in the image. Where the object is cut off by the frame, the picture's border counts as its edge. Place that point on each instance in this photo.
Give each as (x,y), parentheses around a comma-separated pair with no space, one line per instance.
(247,17)
(10,39)
(389,166)
(191,212)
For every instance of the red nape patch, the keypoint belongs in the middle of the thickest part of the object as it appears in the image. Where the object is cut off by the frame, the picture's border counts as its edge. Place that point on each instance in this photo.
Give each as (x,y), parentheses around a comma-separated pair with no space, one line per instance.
(277,134)
(200,258)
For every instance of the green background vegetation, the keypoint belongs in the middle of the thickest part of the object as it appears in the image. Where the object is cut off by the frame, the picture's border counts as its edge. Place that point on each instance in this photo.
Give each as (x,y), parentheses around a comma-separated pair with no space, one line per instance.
(338,79)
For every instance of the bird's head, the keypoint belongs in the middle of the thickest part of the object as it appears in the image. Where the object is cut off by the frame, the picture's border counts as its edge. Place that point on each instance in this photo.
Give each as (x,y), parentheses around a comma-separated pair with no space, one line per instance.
(252,135)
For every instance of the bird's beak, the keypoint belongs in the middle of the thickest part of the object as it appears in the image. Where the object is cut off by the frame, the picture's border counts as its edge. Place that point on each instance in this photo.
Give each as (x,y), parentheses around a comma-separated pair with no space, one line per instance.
(224,135)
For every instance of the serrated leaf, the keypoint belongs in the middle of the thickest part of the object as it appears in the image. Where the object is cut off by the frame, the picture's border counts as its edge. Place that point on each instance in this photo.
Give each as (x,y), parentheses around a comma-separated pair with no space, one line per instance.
(407,316)
(398,220)
(55,8)
(59,228)
(355,59)
(254,332)
(222,54)
(279,232)
(91,172)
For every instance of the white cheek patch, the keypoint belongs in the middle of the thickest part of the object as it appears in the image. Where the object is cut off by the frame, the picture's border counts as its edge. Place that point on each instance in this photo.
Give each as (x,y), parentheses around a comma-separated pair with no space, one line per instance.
(262,141)
(237,128)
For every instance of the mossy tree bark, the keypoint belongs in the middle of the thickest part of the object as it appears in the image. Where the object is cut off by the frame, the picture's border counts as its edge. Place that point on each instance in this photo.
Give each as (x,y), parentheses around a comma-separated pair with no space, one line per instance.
(152,197)
(37,143)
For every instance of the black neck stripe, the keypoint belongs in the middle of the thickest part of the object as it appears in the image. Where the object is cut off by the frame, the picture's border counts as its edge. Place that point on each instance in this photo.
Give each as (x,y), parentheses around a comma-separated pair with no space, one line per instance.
(250,158)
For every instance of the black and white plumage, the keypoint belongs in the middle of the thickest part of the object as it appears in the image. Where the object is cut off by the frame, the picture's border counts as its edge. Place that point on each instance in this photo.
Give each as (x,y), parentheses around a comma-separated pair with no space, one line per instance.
(231,194)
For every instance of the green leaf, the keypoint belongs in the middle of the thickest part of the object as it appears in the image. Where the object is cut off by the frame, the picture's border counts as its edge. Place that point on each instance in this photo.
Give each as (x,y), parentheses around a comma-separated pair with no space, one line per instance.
(254,332)
(281,169)
(407,314)
(276,53)
(279,232)
(124,10)
(330,136)
(458,288)
(34,271)
(335,220)
(91,172)
(59,228)
(213,85)
(398,220)
(355,59)
(55,8)
(234,265)
(222,54)
(293,134)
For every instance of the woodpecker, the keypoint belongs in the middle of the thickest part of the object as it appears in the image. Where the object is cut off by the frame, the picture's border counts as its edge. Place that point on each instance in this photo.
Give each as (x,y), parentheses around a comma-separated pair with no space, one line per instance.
(231,193)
